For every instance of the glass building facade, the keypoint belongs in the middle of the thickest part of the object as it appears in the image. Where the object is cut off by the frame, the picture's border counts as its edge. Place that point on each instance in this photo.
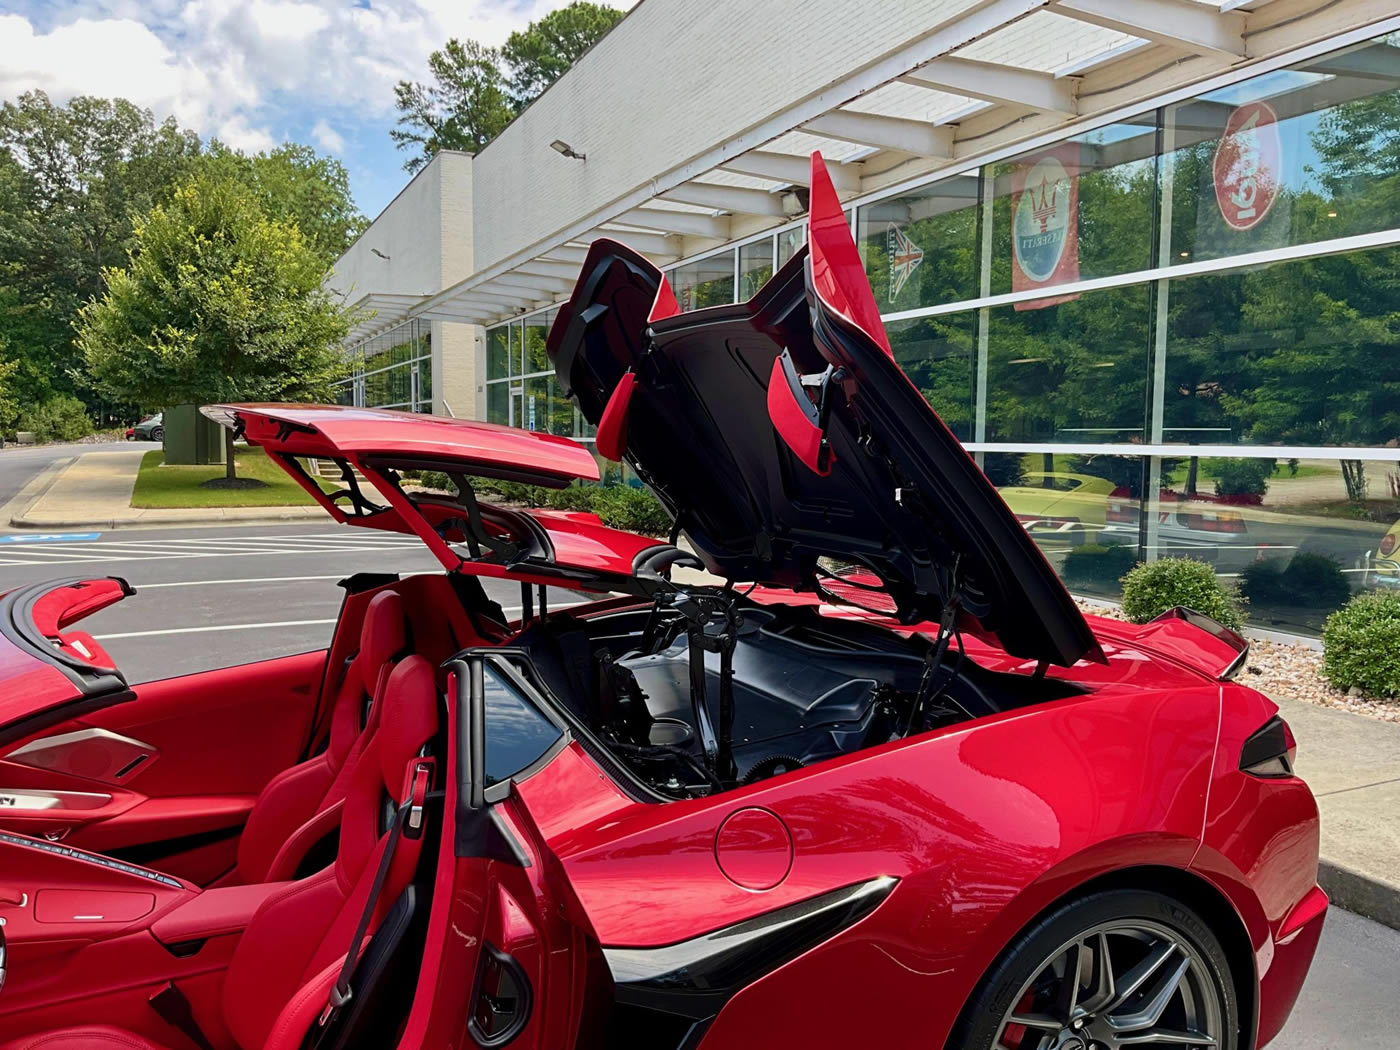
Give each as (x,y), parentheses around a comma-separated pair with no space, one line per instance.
(1174,334)
(393,370)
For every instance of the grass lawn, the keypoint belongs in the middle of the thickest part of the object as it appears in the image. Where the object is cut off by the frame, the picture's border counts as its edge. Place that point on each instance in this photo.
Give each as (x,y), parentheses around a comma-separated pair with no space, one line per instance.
(159,486)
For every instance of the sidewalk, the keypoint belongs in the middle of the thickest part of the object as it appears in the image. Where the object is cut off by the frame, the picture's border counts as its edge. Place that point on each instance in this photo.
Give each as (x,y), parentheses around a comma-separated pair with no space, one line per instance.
(93,491)
(1352,764)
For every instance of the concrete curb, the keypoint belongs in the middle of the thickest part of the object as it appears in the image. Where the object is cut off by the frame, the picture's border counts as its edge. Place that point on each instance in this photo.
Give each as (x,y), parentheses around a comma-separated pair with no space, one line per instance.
(1360,894)
(171,520)
(35,489)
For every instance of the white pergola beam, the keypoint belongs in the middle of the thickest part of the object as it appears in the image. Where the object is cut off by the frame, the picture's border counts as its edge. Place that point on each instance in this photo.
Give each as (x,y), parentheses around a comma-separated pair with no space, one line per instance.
(567,253)
(1184,24)
(479,296)
(991,82)
(641,240)
(897,133)
(462,315)
(784,167)
(549,268)
(542,286)
(689,223)
(736,199)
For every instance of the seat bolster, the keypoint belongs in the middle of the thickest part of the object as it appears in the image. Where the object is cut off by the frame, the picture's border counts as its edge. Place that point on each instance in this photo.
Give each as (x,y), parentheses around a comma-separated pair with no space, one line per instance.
(299,843)
(290,799)
(302,1012)
(84,1037)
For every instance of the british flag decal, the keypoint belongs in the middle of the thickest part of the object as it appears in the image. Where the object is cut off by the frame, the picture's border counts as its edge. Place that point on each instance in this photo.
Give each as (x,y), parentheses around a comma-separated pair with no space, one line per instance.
(905,257)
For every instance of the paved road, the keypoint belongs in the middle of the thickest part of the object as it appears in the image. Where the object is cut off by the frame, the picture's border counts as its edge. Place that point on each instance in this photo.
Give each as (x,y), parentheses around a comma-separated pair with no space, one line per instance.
(211,597)
(18,463)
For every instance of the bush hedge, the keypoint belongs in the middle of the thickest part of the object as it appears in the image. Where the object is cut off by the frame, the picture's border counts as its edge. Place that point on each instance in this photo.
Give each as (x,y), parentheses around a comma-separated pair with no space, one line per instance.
(1240,477)
(1151,589)
(618,506)
(1098,564)
(60,418)
(1361,644)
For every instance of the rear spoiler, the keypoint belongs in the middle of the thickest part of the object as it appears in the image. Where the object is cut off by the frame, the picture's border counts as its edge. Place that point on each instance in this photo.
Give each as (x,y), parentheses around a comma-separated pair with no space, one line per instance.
(1196,639)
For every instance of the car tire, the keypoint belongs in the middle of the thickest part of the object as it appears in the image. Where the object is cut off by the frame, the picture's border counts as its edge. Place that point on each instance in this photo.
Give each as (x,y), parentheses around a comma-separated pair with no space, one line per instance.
(158,434)
(1021,968)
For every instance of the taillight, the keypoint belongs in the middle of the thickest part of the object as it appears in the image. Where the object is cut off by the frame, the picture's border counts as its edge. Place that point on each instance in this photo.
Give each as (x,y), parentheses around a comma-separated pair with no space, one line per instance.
(1270,751)
(1388,544)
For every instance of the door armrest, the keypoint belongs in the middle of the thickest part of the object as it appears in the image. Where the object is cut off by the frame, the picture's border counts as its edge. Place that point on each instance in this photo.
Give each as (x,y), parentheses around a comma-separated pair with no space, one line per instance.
(214,913)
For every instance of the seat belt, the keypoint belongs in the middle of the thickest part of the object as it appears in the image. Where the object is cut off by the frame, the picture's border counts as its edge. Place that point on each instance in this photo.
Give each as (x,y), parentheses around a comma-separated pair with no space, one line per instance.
(408,823)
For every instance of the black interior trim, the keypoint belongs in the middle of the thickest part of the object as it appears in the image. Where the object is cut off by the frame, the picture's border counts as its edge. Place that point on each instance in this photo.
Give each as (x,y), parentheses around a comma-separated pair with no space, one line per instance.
(17,625)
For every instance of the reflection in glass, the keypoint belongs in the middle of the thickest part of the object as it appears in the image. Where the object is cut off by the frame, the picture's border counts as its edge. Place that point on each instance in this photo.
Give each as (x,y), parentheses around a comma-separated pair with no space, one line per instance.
(498,352)
(708,282)
(755,267)
(789,241)
(516,733)
(936,354)
(922,249)
(1290,157)
(1074,371)
(1296,353)
(536,331)
(498,403)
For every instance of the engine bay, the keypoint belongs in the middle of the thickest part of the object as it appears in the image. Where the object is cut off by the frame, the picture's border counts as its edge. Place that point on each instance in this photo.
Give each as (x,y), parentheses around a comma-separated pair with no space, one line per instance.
(782,686)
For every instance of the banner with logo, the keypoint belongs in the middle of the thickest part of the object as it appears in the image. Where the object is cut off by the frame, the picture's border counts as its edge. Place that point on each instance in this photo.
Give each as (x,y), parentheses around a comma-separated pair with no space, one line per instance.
(1248,166)
(904,257)
(1045,223)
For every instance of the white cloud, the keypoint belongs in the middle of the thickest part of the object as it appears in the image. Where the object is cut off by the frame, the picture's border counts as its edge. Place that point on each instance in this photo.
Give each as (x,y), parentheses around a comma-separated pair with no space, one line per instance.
(328,138)
(235,68)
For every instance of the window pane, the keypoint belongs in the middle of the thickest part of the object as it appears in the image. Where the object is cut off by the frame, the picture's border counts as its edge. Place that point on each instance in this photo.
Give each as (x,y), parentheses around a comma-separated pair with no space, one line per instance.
(536,332)
(1083,511)
(922,249)
(1080,209)
(937,355)
(498,352)
(1289,157)
(789,241)
(709,282)
(516,733)
(755,267)
(1297,353)
(498,403)
(1070,369)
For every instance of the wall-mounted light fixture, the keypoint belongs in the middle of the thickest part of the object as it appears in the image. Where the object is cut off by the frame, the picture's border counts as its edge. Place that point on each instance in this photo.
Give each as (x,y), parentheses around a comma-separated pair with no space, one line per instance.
(376,251)
(562,147)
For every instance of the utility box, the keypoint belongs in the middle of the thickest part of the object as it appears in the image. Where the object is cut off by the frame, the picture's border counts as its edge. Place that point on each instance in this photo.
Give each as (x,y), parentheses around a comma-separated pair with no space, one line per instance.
(192,437)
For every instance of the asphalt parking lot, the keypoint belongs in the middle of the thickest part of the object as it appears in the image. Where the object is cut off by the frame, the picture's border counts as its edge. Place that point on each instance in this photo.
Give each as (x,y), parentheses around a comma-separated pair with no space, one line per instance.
(211,597)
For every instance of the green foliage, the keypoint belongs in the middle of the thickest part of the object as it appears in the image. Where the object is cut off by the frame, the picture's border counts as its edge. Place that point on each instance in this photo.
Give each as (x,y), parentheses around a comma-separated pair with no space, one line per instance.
(632,509)
(292,183)
(1098,565)
(464,108)
(543,51)
(619,506)
(1311,580)
(1361,644)
(60,418)
(1239,477)
(1152,588)
(477,90)
(9,403)
(218,303)
(1004,469)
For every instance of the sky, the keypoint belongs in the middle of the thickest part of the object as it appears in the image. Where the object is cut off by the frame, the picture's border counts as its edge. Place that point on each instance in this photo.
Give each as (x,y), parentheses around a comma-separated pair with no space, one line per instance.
(254,73)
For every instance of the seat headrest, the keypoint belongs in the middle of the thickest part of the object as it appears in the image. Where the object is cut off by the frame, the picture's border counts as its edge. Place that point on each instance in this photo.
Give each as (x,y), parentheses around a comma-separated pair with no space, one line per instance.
(408,718)
(384,633)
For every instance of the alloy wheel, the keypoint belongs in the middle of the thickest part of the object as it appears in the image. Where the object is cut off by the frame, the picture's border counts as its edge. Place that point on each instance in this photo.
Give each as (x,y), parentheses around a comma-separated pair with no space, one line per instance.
(1129,983)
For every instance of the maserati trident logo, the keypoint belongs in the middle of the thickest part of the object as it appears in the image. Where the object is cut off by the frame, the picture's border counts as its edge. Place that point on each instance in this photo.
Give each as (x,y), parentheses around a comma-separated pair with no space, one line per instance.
(905,257)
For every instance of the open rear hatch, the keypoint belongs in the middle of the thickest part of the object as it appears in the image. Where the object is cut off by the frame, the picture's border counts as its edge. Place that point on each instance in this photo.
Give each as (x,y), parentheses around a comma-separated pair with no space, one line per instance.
(793,450)
(370,451)
(45,665)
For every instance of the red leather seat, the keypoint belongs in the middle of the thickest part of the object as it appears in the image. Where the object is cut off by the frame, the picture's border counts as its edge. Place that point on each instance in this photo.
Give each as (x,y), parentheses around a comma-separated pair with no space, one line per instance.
(288,959)
(300,805)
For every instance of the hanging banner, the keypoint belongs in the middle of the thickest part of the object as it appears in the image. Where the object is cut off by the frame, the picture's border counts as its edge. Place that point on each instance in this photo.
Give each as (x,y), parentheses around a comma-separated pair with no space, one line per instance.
(904,258)
(1247,166)
(1045,224)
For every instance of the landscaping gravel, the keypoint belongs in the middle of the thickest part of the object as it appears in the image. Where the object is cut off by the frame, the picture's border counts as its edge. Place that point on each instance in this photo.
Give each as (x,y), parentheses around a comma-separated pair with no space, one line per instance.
(1294,671)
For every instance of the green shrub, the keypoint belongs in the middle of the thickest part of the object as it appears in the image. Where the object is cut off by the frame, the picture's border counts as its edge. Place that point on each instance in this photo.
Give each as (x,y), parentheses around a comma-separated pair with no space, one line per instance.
(1240,477)
(632,509)
(60,418)
(1361,644)
(1151,589)
(1004,469)
(1312,580)
(1099,564)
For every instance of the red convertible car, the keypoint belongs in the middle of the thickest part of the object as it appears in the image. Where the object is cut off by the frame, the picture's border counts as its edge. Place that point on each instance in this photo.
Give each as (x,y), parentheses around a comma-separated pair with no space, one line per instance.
(873,781)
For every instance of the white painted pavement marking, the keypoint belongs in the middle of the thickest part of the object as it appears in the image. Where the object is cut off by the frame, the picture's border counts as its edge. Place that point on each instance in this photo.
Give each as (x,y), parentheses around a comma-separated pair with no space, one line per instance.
(186,548)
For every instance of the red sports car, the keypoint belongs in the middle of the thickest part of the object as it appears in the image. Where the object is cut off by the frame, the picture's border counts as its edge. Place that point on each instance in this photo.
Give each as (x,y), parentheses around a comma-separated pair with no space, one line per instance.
(870,780)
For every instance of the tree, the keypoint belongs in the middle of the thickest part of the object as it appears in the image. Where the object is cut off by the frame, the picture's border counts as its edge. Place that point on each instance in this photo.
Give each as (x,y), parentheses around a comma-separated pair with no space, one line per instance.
(293,182)
(543,51)
(71,178)
(9,403)
(476,90)
(218,302)
(465,108)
